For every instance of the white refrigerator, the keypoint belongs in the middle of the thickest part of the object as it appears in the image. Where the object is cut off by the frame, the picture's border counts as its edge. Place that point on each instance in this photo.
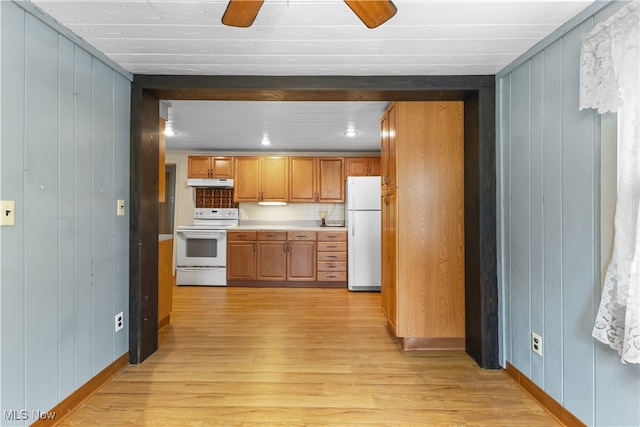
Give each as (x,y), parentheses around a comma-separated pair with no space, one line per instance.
(362,218)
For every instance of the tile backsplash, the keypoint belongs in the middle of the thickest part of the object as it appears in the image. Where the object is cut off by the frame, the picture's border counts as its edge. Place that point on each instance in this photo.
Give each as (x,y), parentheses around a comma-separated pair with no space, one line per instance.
(215,198)
(292,212)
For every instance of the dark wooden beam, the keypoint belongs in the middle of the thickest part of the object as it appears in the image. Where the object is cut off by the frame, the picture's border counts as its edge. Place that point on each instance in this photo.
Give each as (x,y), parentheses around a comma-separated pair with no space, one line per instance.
(312,88)
(143,229)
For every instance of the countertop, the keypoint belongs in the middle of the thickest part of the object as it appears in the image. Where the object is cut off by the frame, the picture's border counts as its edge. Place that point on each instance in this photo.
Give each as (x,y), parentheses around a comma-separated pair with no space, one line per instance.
(285,227)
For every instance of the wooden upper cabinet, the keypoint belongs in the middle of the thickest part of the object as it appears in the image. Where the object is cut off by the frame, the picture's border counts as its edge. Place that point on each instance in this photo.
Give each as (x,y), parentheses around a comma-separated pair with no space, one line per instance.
(375,166)
(302,179)
(210,167)
(246,179)
(389,135)
(274,179)
(330,179)
(316,179)
(261,179)
(362,166)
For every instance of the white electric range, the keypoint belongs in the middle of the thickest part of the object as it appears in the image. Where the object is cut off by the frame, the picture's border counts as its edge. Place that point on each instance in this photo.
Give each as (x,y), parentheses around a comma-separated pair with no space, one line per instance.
(201,249)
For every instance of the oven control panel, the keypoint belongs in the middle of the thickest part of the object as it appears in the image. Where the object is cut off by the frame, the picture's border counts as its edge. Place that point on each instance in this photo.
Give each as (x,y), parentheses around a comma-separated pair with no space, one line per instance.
(215,213)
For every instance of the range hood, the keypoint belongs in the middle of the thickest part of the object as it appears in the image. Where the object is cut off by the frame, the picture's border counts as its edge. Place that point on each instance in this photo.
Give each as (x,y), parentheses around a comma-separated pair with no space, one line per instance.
(210,182)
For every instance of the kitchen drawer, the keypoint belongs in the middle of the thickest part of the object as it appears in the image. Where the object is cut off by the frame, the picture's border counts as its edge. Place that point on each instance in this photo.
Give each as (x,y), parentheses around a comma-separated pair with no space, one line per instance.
(332,266)
(241,235)
(301,235)
(332,246)
(332,236)
(331,276)
(332,256)
(272,235)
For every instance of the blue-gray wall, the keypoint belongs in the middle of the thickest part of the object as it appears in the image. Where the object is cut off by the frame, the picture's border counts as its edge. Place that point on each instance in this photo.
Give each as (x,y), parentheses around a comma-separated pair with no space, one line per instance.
(64,159)
(549,232)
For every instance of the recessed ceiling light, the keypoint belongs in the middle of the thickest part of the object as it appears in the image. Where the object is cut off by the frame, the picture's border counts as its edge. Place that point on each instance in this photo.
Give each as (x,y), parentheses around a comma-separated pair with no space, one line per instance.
(350,133)
(265,141)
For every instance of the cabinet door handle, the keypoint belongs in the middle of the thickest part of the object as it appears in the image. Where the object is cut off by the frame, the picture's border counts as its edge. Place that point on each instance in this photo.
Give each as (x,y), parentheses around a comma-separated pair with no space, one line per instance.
(254,246)
(386,200)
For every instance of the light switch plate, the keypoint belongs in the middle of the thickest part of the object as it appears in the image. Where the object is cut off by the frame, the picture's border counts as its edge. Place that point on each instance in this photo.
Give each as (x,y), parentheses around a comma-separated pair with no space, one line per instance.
(120,207)
(7,212)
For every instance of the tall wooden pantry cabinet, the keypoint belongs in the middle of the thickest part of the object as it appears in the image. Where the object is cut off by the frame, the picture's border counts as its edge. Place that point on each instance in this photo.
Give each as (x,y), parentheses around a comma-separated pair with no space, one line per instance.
(423,223)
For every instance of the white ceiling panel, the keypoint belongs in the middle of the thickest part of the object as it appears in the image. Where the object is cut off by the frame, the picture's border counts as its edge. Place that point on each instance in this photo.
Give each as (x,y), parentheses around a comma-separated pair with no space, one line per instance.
(302,33)
(289,125)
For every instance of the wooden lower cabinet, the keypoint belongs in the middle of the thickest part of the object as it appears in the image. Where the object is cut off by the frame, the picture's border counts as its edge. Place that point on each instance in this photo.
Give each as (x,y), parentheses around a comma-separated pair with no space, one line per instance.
(332,257)
(389,278)
(272,257)
(286,258)
(301,256)
(241,255)
(165,282)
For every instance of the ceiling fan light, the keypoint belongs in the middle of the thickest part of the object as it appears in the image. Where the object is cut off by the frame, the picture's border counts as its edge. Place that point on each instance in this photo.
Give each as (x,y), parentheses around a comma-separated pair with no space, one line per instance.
(241,13)
(373,13)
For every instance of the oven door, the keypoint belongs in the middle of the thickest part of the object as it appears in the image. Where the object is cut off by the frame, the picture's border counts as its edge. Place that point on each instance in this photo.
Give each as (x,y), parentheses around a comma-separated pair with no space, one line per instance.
(201,248)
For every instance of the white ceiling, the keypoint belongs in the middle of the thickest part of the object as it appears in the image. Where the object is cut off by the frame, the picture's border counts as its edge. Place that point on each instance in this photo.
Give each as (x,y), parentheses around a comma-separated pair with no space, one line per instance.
(304,37)
(289,125)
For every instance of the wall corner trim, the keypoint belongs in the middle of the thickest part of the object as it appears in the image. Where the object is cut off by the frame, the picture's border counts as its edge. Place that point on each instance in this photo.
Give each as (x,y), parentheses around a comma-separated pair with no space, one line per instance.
(553,408)
(65,408)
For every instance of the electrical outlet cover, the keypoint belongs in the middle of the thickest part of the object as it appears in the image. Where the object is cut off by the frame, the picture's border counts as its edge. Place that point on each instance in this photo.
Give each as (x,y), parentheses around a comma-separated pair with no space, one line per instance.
(536,343)
(119,321)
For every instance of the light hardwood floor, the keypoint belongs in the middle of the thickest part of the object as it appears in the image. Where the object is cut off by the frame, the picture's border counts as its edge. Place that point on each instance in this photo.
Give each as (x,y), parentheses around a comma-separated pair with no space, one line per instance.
(299,357)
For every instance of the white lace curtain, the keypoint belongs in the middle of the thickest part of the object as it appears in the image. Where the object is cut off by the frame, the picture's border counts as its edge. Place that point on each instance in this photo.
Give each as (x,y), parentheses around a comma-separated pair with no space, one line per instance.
(609,80)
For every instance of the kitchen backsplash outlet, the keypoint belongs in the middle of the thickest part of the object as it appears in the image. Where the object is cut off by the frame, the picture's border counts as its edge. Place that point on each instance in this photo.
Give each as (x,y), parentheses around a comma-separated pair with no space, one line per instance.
(292,212)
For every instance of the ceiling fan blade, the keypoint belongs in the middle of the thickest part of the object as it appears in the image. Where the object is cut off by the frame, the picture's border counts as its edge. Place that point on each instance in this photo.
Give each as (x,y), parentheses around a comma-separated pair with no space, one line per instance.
(241,13)
(373,12)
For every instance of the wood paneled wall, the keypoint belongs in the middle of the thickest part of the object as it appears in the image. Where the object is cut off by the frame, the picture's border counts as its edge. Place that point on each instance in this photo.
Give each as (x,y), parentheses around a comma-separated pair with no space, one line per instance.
(64,160)
(549,177)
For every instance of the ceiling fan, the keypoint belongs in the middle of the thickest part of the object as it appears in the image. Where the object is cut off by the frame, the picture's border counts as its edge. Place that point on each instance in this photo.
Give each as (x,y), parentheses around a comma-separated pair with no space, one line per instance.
(242,13)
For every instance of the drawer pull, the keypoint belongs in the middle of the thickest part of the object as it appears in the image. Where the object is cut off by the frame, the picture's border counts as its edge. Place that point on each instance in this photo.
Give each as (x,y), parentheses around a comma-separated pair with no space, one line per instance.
(332,266)
(332,247)
(332,257)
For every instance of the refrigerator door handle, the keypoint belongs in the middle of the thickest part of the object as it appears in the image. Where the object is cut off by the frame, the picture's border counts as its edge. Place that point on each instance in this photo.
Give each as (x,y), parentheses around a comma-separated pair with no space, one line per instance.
(352,224)
(352,196)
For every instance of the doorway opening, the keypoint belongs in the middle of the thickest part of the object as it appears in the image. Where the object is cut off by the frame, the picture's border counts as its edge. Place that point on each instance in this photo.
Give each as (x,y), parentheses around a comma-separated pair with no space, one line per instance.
(478,94)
